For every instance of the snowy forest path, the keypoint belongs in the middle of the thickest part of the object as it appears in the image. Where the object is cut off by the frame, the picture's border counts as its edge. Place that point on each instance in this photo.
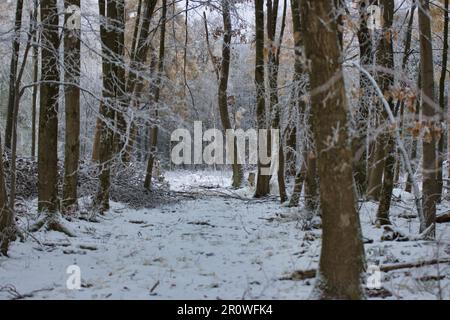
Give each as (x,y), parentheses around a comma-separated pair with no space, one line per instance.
(208,245)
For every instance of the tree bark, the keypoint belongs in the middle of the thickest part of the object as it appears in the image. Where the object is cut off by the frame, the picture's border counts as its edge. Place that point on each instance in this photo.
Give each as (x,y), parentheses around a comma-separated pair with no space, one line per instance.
(17,96)
(385,59)
(298,186)
(108,31)
(72,46)
(137,26)
(359,144)
(223,87)
(401,104)
(35,79)
(442,99)
(384,141)
(263,179)
(48,111)
(131,83)
(409,184)
(274,63)
(134,82)
(121,96)
(342,254)
(311,183)
(376,170)
(13,73)
(430,118)
(299,72)
(154,132)
(7,223)
(291,145)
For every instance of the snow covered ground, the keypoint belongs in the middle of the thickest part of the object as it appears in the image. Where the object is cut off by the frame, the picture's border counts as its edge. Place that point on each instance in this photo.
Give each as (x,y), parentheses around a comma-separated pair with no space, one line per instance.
(210,247)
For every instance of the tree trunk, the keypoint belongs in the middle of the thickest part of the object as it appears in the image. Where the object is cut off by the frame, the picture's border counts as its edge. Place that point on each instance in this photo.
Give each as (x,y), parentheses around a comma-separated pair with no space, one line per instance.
(274,63)
(154,133)
(137,26)
(291,145)
(134,82)
(430,118)
(110,48)
(96,143)
(308,171)
(384,141)
(130,83)
(7,223)
(48,111)
(409,184)
(13,73)
(342,254)
(223,87)
(311,183)
(442,99)
(359,144)
(35,80)
(406,54)
(72,47)
(15,117)
(339,15)
(263,178)
(385,59)
(376,170)
(121,96)
(298,185)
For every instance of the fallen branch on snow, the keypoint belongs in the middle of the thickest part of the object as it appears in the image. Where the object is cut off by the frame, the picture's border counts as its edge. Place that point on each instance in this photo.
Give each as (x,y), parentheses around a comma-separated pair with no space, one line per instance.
(311,273)
(443,218)
(15,295)
(391,233)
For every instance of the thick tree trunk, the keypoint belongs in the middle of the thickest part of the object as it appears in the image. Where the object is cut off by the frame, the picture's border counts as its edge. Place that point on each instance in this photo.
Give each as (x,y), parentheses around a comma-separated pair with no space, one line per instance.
(13,73)
(342,254)
(263,178)
(430,119)
(48,111)
(385,59)
(72,47)
(154,133)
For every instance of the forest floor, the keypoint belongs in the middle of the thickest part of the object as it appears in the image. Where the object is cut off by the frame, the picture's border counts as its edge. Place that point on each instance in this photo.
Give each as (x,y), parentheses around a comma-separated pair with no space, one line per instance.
(213,243)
